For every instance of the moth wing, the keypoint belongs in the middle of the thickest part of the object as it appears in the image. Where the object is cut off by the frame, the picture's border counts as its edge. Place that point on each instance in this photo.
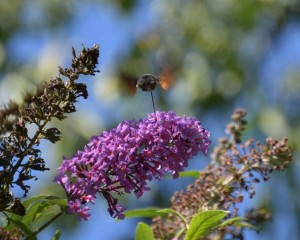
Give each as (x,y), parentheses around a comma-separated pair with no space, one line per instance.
(166,79)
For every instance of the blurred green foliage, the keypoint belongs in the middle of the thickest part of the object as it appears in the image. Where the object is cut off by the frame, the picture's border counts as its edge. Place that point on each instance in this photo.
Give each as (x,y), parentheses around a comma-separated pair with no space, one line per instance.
(216,50)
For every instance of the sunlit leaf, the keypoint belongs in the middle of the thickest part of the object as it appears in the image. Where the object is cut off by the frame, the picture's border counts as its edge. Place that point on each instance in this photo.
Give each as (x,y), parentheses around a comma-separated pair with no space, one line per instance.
(45,216)
(146,212)
(203,223)
(56,235)
(143,232)
(231,221)
(191,173)
(245,225)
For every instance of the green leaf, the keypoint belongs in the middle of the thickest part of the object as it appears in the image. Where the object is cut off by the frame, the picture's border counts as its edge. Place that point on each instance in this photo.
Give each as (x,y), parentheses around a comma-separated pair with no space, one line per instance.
(203,223)
(56,235)
(28,202)
(25,228)
(45,216)
(59,201)
(39,205)
(35,210)
(47,198)
(171,211)
(191,173)
(246,225)
(40,210)
(231,221)
(143,232)
(146,212)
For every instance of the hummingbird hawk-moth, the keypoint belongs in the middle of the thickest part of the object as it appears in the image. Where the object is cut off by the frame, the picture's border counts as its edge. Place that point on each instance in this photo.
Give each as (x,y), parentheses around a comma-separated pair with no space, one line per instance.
(148,82)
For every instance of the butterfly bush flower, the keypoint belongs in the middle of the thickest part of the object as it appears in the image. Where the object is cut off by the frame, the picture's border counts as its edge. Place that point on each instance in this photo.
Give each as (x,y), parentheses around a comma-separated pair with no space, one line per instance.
(125,158)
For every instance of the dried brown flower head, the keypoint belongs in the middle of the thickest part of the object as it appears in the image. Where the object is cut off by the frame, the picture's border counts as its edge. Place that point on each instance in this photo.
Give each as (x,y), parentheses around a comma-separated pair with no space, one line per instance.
(19,154)
(234,169)
(13,234)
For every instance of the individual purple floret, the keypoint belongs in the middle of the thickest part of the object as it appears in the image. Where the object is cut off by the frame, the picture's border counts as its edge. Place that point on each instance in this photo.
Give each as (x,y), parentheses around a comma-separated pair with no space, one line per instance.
(125,158)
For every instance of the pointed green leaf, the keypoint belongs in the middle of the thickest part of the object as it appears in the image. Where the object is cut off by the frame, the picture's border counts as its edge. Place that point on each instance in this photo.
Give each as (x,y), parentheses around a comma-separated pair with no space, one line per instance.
(45,216)
(56,235)
(28,204)
(59,201)
(246,225)
(33,200)
(48,198)
(191,173)
(203,223)
(231,221)
(39,204)
(35,210)
(146,212)
(39,210)
(144,232)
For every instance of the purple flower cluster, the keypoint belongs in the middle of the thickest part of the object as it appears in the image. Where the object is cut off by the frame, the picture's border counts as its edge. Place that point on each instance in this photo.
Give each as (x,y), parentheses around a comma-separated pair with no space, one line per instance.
(126,157)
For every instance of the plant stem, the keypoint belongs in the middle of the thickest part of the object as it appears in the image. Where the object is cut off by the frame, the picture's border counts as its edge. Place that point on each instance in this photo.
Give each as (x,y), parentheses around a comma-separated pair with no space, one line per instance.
(33,140)
(30,145)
